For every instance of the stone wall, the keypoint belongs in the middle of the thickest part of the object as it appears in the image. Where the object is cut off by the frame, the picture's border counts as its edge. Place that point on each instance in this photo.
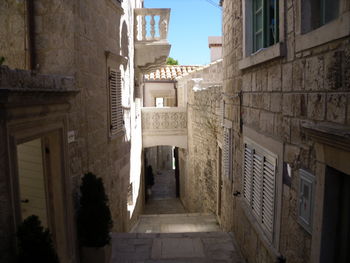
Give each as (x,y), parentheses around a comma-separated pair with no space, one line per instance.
(12,33)
(277,96)
(198,165)
(71,38)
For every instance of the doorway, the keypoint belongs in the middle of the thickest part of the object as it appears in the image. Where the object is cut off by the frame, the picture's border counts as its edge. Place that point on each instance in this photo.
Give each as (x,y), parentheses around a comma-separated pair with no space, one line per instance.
(335,242)
(42,186)
(32,182)
(219,171)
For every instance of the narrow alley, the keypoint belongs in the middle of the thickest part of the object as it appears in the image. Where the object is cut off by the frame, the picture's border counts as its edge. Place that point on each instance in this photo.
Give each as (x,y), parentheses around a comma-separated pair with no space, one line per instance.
(175,131)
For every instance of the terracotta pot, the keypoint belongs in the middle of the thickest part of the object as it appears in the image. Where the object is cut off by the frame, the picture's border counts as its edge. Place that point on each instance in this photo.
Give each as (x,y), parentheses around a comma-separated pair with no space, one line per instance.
(95,254)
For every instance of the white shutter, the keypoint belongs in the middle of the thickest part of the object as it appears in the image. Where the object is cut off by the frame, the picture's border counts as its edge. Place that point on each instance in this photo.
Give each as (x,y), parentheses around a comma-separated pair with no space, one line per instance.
(115,93)
(268,194)
(256,184)
(247,172)
(227,153)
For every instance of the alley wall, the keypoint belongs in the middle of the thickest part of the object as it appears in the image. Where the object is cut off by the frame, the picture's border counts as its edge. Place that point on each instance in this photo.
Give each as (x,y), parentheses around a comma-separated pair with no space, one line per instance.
(305,83)
(198,164)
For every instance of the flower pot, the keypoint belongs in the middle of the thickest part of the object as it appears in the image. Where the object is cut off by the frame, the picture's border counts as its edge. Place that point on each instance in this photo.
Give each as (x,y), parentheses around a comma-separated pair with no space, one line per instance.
(95,254)
(149,191)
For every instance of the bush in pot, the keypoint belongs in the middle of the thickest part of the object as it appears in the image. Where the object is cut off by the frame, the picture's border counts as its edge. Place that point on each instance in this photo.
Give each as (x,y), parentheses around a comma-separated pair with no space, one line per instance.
(34,242)
(94,220)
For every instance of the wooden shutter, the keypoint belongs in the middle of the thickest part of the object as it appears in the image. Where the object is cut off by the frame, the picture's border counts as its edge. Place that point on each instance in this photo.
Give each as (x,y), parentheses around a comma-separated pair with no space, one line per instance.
(268,193)
(115,94)
(227,153)
(247,172)
(257,184)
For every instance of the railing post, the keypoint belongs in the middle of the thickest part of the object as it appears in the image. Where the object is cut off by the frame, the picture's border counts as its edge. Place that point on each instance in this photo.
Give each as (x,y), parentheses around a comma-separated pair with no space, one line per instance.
(144,32)
(153,31)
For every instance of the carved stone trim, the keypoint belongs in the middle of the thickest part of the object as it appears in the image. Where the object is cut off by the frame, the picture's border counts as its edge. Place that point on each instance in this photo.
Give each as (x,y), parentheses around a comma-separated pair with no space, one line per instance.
(331,134)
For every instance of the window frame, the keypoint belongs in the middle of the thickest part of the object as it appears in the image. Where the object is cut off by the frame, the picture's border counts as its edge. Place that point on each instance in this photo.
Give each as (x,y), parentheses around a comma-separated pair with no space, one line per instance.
(306,178)
(333,30)
(117,63)
(251,58)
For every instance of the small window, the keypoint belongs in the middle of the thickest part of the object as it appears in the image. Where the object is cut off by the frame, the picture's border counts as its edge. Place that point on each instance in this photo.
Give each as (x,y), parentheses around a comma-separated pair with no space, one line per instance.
(116,119)
(306,189)
(265,23)
(159,102)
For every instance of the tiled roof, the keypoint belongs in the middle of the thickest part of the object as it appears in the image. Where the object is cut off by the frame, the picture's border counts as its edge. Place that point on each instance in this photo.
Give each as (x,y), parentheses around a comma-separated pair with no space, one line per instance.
(170,72)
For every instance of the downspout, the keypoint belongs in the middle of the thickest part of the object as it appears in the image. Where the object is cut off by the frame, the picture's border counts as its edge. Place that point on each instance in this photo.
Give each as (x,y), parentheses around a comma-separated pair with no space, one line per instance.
(175,88)
(30,26)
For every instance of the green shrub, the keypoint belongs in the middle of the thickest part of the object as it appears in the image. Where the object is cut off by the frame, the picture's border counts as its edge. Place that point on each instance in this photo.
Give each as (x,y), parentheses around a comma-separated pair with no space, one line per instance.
(94,216)
(35,243)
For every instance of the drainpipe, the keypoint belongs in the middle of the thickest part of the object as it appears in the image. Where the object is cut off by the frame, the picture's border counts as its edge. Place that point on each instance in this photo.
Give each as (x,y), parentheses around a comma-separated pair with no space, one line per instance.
(175,88)
(30,26)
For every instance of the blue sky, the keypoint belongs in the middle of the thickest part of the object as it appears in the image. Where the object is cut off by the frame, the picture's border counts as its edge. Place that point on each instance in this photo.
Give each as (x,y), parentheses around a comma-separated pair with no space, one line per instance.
(191,22)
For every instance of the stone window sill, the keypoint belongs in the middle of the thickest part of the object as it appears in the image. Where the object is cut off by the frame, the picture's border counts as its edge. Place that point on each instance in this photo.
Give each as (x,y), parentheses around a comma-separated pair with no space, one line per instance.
(261,56)
(336,29)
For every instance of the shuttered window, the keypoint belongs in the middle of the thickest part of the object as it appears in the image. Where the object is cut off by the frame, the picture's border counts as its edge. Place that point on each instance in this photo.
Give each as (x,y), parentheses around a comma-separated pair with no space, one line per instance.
(259,172)
(115,100)
(227,153)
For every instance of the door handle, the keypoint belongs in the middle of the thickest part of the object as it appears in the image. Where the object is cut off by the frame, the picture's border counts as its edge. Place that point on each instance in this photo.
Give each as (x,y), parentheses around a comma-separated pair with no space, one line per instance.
(25,201)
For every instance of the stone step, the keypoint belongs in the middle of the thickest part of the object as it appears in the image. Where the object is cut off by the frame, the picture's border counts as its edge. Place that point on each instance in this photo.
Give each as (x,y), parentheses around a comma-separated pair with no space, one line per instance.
(176,223)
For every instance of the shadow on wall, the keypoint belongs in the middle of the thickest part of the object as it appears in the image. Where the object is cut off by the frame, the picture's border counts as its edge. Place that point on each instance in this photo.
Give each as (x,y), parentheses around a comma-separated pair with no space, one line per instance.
(125,40)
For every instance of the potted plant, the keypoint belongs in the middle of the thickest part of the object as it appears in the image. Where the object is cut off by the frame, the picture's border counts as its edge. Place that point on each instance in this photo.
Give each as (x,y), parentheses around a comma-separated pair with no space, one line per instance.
(149,180)
(94,221)
(34,242)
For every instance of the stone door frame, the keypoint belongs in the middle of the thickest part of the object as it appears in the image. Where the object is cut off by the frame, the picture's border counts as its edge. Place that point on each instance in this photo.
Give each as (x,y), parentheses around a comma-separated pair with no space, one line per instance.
(332,148)
(51,131)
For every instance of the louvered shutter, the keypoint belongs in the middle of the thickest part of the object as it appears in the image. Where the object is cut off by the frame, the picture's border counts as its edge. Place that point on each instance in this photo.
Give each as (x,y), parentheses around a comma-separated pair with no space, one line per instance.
(227,153)
(268,193)
(256,184)
(247,172)
(115,93)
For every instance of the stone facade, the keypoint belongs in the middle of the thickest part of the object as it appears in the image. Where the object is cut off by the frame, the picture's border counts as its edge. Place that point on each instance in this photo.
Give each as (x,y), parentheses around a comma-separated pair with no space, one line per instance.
(198,165)
(79,40)
(12,19)
(278,96)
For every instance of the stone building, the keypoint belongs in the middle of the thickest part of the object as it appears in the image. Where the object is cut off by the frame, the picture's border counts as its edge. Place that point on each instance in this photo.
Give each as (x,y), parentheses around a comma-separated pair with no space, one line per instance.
(286,92)
(72,106)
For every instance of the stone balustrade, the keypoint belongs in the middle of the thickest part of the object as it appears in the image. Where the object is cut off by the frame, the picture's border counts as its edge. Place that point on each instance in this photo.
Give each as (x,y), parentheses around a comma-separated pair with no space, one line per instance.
(164,126)
(151,24)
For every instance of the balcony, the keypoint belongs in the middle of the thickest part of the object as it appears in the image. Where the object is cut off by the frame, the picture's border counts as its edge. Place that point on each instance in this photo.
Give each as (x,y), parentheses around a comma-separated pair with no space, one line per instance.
(164,126)
(151,32)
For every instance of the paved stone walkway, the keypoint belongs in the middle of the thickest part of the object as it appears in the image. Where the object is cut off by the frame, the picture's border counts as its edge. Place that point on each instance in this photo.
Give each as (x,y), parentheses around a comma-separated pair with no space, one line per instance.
(174,248)
(175,238)
(176,223)
(164,206)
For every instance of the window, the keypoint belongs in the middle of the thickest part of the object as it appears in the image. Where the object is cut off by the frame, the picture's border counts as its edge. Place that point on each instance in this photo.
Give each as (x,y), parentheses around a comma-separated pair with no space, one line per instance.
(317,13)
(263,28)
(306,191)
(115,100)
(227,153)
(259,185)
(265,23)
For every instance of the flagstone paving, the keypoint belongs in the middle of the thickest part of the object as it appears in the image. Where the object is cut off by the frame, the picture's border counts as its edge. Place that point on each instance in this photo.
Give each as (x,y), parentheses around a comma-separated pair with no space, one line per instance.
(175,238)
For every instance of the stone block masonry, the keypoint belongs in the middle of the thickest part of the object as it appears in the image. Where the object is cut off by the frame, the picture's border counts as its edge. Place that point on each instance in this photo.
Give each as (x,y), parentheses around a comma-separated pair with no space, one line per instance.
(278,96)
